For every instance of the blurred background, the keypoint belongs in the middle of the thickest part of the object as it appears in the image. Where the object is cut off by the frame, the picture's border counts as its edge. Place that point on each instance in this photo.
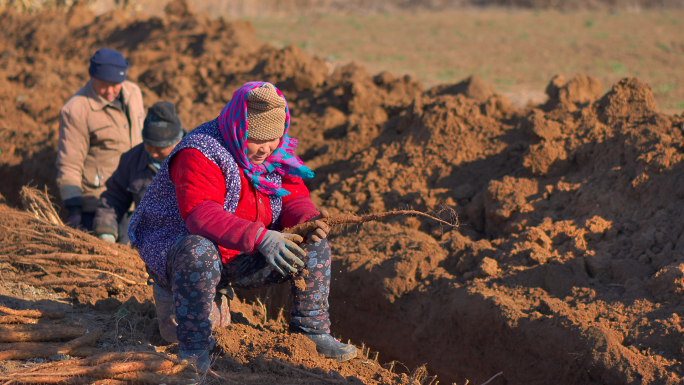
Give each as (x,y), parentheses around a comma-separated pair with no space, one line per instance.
(515,45)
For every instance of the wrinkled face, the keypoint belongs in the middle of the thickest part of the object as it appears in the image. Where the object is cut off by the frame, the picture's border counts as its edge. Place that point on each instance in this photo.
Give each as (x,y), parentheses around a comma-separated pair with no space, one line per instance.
(159,153)
(105,89)
(259,150)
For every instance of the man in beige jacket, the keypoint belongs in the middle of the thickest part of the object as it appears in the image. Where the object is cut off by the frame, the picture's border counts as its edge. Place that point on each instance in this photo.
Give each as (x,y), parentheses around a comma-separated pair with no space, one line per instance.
(99,123)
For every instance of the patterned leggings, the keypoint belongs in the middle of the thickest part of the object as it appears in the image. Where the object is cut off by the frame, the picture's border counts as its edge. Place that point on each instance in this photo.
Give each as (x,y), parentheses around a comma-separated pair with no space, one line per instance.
(195,270)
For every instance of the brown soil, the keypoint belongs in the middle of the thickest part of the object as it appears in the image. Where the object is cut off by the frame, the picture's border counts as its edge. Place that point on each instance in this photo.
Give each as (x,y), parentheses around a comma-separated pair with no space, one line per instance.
(569,255)
(567,267)
(250,344)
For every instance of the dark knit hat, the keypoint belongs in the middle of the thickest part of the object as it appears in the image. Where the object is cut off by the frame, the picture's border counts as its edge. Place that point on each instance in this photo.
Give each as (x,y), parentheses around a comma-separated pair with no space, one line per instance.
(162,128)
(108,65)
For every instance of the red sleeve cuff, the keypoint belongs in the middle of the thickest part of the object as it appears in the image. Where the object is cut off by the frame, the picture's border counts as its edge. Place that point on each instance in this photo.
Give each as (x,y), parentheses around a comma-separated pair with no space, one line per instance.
(261,237)
(297,210)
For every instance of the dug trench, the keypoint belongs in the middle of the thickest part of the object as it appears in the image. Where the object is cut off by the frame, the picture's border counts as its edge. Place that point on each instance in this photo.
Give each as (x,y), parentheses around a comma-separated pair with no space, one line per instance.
(568,266)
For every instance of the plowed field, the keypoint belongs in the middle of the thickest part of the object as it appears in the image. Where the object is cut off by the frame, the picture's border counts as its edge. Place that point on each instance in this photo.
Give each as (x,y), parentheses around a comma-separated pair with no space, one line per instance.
(568,266)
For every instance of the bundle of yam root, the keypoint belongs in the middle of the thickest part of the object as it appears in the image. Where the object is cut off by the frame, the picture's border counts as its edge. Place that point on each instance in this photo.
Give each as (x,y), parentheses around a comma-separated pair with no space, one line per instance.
(26,334)
(107,368)
(49,253)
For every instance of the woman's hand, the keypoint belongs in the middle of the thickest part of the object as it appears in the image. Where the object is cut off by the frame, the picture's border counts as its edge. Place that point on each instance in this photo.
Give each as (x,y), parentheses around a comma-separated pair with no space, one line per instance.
(278,247)
(322,229)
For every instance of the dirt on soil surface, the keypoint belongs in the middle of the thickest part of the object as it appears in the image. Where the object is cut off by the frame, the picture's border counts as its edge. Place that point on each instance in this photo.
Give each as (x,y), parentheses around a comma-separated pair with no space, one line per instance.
(568,266)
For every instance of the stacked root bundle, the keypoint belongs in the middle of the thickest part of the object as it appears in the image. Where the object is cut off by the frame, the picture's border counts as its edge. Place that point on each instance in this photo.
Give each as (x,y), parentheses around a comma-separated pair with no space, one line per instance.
(108,368)
(51,254)
(28,334)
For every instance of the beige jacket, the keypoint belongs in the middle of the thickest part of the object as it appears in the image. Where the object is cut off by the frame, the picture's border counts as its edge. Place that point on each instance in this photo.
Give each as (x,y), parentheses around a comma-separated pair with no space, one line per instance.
(92,136)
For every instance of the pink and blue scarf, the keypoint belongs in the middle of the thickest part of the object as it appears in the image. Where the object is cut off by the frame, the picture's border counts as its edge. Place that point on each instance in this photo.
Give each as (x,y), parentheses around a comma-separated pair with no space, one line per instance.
(233,126)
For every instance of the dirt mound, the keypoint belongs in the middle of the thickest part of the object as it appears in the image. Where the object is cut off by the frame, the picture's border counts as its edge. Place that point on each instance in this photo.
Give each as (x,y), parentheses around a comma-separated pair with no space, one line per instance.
(191,60)
(570,228)
(569,260)
(257,347)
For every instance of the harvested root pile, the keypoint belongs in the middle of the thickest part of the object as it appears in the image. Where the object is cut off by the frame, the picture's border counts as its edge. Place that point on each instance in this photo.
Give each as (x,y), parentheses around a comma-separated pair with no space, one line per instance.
(24,335)
(137,367)
(52,254)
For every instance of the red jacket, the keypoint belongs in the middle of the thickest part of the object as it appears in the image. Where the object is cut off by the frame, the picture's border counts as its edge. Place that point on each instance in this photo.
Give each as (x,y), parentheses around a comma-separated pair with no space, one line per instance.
(201,190)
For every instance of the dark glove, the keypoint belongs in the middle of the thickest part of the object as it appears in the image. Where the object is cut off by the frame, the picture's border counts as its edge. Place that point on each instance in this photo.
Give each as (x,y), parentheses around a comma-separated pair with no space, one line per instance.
(278,247)
(321,232)
(74,216)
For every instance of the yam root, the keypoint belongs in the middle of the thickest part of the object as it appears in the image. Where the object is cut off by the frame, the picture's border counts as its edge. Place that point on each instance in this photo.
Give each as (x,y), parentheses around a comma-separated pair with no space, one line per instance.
(127,356)
(33,313)
(48,379)
(13,319)
(51,334)
(66,257)
(305,228)
(109,381)
(125,280)
(87,339)
(21,327)
(26,350)
(174,370)
(108,370)
(152,378)
(35,326)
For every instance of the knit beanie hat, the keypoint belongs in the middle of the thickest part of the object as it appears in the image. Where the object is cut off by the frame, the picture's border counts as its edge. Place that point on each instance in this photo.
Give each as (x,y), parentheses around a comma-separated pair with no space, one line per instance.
(108,65)
(265,113)
(162,128)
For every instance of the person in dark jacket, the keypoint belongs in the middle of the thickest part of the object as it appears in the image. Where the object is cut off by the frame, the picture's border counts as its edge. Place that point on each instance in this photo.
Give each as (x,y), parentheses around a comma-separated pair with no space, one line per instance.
(137,168)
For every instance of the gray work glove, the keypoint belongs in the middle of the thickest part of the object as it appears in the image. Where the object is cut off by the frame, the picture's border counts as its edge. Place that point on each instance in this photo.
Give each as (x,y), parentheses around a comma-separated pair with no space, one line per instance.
(107,237)
(278,249)
(321,232)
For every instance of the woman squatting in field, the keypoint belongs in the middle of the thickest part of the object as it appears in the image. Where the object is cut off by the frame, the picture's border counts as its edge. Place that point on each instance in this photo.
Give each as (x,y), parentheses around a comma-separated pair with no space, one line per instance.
(211,218)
